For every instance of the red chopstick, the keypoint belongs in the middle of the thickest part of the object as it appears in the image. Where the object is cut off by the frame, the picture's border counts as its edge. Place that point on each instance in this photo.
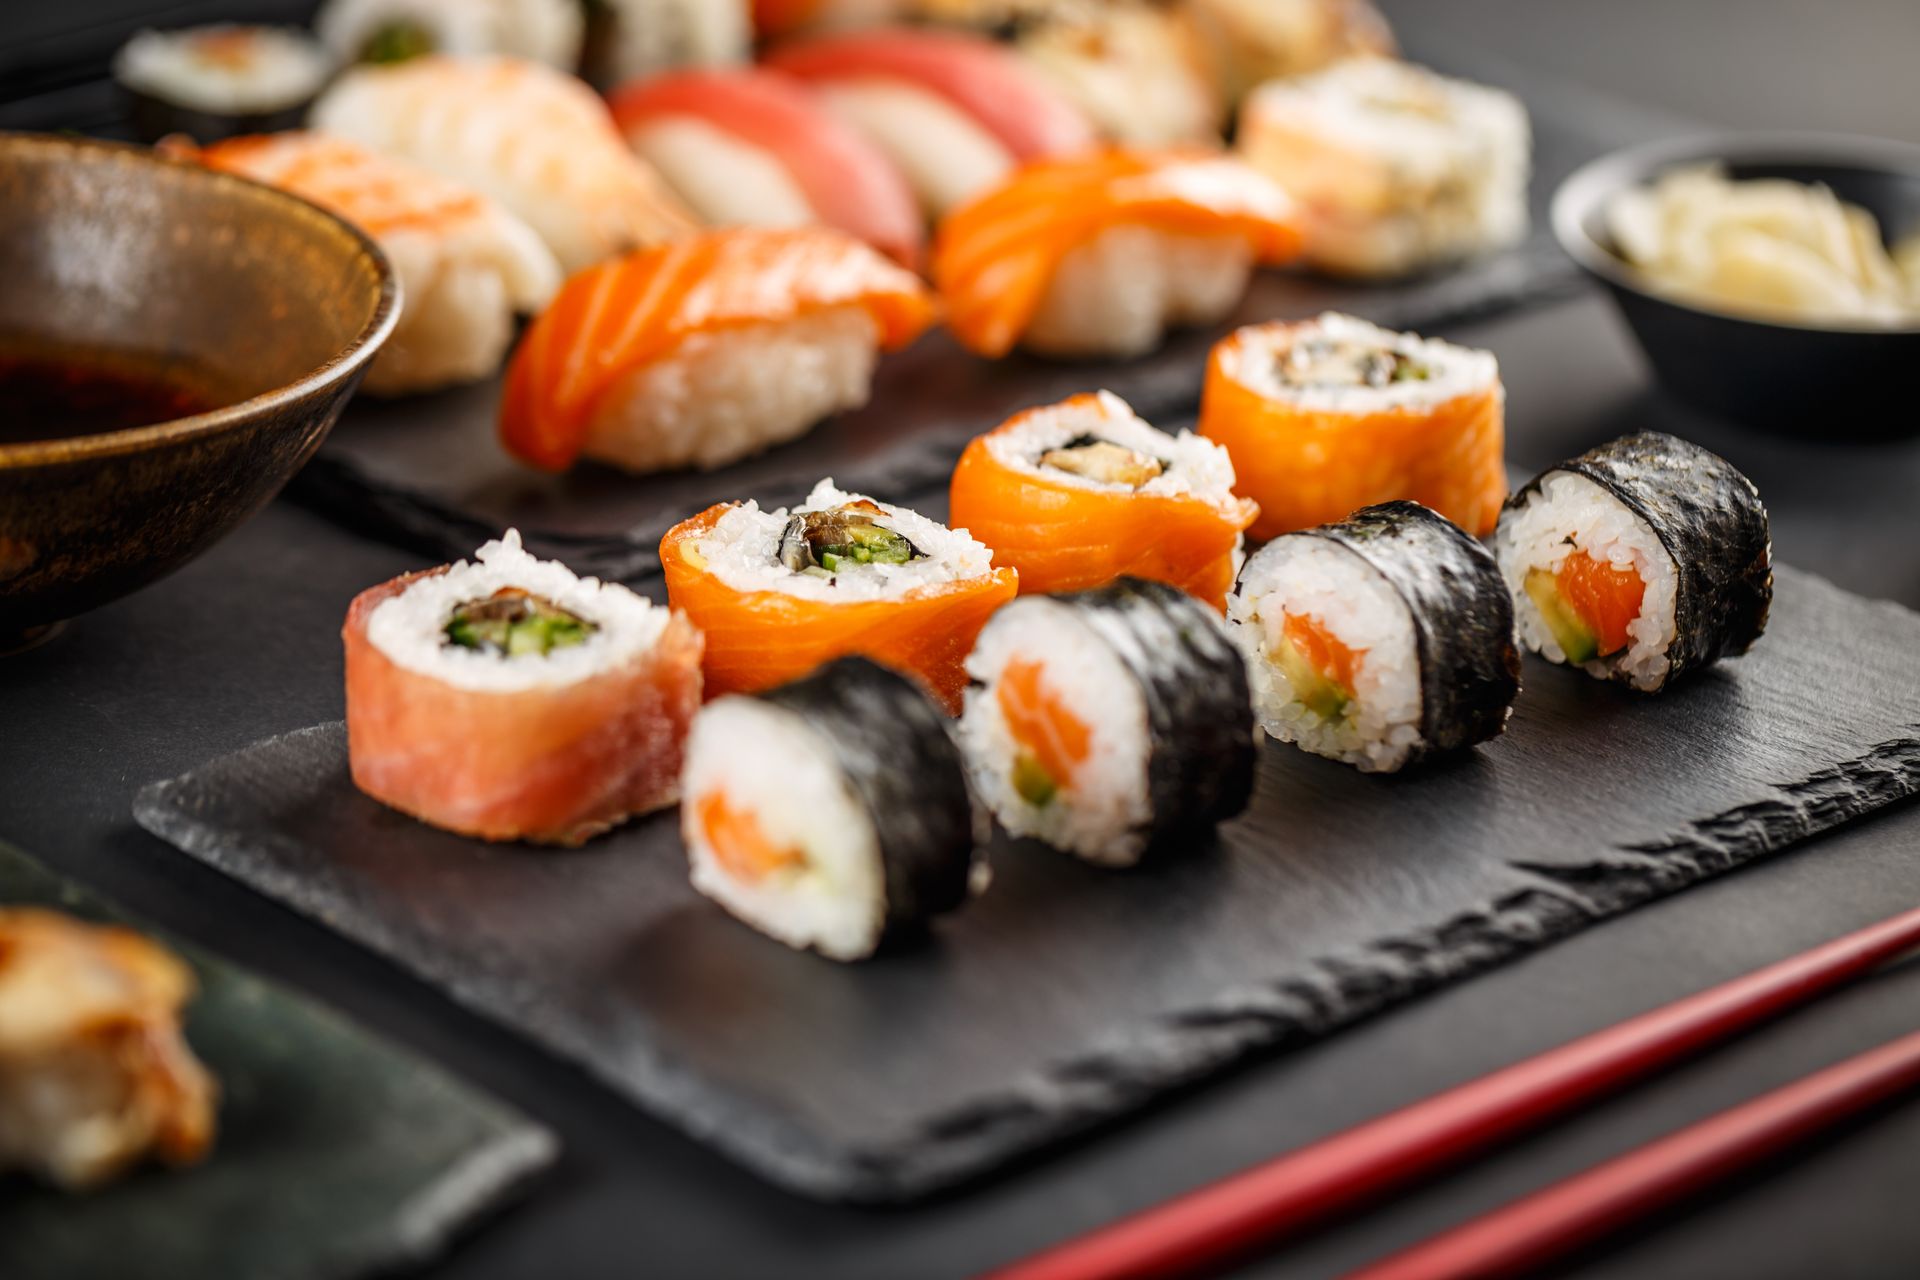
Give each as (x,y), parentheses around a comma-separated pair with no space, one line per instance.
(1271,1200)
(1524,1235)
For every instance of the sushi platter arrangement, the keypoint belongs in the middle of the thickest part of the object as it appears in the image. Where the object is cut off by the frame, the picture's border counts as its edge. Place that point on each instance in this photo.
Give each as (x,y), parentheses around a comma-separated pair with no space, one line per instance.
(953,623)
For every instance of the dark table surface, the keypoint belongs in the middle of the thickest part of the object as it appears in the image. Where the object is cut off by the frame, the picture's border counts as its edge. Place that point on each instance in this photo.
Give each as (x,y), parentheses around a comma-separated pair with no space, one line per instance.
(244,643)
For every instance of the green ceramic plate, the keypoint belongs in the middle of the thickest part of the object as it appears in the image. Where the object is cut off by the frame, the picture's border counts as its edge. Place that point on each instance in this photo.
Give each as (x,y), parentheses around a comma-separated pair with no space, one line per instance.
(338,1154)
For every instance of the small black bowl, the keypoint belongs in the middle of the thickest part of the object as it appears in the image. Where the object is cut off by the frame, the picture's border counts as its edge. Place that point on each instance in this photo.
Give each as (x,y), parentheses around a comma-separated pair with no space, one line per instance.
(1821,381)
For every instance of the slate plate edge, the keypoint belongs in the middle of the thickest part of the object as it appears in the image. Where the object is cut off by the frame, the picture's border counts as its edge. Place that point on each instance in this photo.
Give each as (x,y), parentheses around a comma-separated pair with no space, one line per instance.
(1178,1048)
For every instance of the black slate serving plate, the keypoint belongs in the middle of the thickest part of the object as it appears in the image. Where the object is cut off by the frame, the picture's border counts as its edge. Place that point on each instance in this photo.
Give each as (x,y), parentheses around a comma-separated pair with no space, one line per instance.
(338,1155)
(1067,995)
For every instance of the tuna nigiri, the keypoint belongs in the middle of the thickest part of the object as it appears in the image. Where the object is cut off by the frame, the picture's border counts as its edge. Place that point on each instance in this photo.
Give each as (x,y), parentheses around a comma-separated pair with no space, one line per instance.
(1077,494)
(706,350)
(465,264)
(1098,256)
(507,699)
(777,593)
(540,142)
(743,146)
(955,112)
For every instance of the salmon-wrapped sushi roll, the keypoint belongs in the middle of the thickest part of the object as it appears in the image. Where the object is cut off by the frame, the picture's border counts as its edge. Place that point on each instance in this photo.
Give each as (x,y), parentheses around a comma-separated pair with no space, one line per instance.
(745,147)
(706,350)
(1334,414)
(1079,493)
(777,593)
(537,140)
(508,699)
(1100,256)
(465,264)
(954,111)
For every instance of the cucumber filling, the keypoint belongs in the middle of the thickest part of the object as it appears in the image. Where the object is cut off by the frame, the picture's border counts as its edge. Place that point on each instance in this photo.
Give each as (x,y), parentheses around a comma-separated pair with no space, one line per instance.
(512,623)
(823,543)
(1326,698)
(1032,782)
(1570,631)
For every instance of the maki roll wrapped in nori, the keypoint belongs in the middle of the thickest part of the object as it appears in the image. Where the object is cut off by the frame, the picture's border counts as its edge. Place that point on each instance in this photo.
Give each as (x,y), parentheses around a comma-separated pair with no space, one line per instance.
(832,811)
(1380,639)
(1103,720)
(1638,561)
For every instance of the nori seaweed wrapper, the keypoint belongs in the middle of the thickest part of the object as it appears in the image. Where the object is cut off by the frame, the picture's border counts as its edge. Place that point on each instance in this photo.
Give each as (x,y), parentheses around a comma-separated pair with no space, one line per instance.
(1200,721)
(1462,617)
(898,755)
(1711,521)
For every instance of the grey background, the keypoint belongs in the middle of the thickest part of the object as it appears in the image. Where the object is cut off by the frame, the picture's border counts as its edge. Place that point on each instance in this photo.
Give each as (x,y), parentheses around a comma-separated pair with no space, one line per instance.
(244,644)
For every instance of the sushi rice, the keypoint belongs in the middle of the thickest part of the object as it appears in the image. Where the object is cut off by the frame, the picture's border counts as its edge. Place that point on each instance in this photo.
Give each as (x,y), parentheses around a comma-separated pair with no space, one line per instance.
(1355,602)
(1191,464)
(548,31)
(1118,294)
(225,69)
(1570,511)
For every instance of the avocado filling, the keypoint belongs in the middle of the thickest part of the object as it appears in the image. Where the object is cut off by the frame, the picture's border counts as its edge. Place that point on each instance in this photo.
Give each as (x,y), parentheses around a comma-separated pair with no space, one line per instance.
(1570,631)
(1330,362)
(1325,697)
(397,42)
(822,543)
(1033,783)
(511,623)
(1094,459)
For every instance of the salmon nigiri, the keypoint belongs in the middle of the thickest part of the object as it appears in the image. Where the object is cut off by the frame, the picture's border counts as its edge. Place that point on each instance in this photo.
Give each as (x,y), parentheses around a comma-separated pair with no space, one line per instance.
(1098,256)
(508,699)
(465,264)
(955,112)
(537,140)
(706,350)
(744,146)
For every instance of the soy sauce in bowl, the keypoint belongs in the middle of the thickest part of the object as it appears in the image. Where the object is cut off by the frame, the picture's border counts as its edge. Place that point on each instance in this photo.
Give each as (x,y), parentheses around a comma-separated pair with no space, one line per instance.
(60,393)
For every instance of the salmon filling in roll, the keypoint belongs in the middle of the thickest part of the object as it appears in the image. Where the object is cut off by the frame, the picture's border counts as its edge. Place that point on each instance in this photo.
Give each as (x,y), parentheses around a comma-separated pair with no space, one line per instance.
(1100,256)
(1079,493)
(777,593)
(507,699)
(1334,414)
(704,351)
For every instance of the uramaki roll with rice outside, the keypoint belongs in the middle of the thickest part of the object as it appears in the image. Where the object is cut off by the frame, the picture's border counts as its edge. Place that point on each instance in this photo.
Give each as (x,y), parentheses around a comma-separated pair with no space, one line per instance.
(1378,640)
(1076,494)
(1398,169)
(1329,415)
(1638,561)
(1104,721)
(831,812)
(778,593)
(505,698)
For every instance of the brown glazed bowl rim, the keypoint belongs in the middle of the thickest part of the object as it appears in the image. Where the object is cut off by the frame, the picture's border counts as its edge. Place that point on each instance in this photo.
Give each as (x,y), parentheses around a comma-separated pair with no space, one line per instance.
(343,364)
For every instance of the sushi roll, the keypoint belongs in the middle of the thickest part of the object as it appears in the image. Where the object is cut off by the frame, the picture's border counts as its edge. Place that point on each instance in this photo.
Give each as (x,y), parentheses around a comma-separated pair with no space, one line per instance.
(384,31)
(831,813)
(1380,640)
(466,266)
(774,18)
(706,350)
(1105,720)
(1638,561)
(505,698)
(219,81)
(777,593)
(1079,493)
(1138,69)
(541,143)
(1400,169)
(1253,41)
(95,1073)
(750,147)
(631,39)
(956,113)
(1329,415)
(1100,256)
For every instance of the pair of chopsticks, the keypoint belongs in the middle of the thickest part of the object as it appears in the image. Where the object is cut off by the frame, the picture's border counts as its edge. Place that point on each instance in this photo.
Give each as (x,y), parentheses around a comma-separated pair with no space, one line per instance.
(1271,1201)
